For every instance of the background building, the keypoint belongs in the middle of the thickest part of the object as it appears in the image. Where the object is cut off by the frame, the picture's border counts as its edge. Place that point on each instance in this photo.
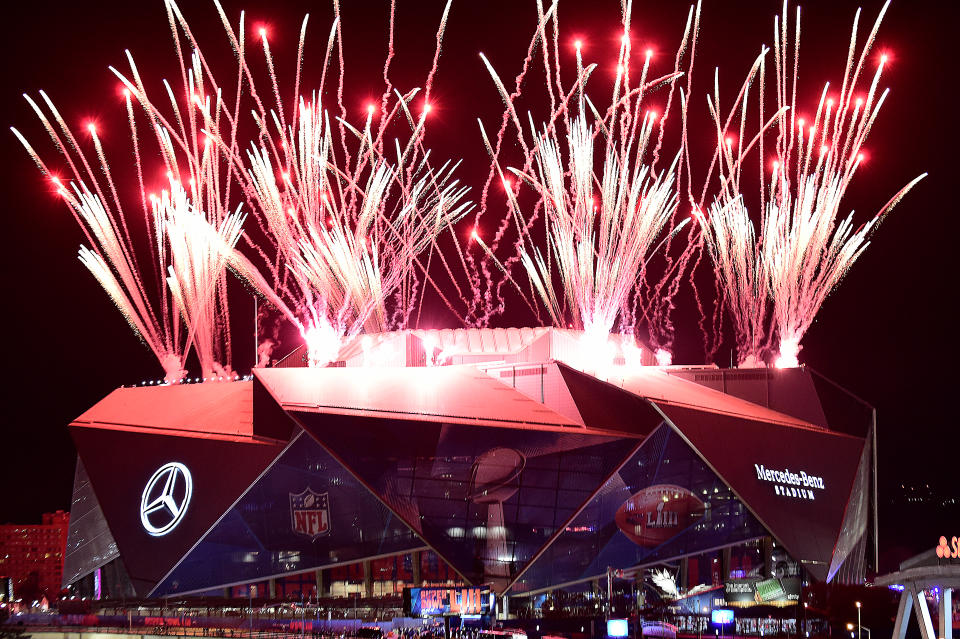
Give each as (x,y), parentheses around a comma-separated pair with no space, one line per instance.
(555,472)
(31,555)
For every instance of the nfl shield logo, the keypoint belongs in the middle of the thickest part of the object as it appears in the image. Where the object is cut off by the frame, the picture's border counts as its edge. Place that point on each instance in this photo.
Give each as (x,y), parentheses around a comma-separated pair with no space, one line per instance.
(310,513)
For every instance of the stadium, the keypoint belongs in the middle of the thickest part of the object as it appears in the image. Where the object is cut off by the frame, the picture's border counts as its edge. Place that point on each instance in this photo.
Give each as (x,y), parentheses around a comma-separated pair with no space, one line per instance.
(530,462)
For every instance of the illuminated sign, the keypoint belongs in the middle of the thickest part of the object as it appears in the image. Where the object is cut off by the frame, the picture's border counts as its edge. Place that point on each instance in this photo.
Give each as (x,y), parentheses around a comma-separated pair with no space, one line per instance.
(949,550)
(721,616)
(789,484)
(310,513)
(754,591)
(617,628)
(429,602)
(165,499)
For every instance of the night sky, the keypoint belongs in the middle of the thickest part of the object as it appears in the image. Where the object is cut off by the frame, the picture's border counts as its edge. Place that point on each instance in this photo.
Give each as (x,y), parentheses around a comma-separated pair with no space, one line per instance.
(888,333)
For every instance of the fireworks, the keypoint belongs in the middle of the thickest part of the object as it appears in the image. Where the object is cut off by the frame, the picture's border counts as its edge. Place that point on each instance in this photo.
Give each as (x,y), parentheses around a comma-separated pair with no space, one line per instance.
(198,261)
(193,293)
(350,236)
(348,218)
(344,233)
(599,229)
(731,240)
(353,222)
(597,270)
(803,250)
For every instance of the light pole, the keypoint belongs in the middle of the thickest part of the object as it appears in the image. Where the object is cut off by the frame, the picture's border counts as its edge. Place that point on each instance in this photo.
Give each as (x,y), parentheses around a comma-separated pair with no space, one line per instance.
(859,605)
(859,628)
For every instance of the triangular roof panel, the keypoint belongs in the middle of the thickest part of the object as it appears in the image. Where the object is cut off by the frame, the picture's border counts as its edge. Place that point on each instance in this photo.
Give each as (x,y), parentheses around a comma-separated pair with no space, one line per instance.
(211,409)
(460,394)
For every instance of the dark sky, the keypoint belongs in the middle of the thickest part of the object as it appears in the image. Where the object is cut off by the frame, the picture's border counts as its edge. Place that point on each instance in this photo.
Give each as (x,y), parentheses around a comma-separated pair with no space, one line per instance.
(887,334)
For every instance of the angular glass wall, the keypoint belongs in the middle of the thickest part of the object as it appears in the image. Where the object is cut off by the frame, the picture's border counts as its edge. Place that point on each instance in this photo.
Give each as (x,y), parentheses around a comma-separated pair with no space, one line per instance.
(487,499)
(664,502)
(89,542)
(304,512)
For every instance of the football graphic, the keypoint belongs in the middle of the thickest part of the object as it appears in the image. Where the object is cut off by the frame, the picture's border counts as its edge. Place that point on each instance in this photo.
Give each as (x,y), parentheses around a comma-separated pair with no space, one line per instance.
(658,513)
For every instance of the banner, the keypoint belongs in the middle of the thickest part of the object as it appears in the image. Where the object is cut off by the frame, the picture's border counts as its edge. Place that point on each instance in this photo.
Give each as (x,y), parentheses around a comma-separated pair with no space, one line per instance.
(756,591)
(433,602)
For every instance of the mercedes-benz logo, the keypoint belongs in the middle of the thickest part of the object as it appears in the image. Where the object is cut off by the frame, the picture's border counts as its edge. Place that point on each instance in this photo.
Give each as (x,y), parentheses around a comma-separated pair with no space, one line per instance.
(165,499)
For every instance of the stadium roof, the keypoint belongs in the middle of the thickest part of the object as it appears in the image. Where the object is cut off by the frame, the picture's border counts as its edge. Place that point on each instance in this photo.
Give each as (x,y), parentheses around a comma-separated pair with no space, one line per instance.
(213,410)
(661,387)
(456,394)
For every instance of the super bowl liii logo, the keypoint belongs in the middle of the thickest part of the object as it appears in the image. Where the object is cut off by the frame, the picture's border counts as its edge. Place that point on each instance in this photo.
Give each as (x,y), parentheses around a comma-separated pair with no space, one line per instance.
(789,484)
(310,513)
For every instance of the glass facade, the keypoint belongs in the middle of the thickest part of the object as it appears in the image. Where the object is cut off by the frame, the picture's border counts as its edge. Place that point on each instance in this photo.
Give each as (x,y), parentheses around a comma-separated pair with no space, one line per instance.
(89,542)
(523,507)
(796,480)
(663,502)
(304,512)
(487,499)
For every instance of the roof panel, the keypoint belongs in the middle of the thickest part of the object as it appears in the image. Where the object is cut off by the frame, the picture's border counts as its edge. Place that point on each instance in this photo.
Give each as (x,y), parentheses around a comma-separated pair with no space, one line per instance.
(208,409)
(658,385)
(447,393)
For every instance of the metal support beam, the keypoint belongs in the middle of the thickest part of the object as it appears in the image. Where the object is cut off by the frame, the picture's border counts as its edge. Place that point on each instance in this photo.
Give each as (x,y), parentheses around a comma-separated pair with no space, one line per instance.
(322,586)
(946,614)
(368,579)
(922,613)
(876,516)
(903,614)
(768,557)
(415,561)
